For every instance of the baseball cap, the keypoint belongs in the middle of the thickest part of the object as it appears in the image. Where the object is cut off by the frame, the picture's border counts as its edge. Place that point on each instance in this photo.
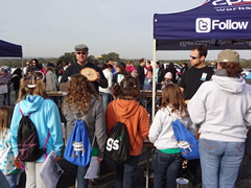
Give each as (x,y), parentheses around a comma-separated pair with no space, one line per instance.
(81,47)
(228,56)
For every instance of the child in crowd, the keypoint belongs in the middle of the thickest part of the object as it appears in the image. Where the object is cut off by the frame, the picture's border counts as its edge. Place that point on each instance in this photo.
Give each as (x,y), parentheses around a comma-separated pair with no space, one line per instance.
(127,109)
(168,80)
(82,102)
(148,83)
(6,154)
(168,158)
(44,114)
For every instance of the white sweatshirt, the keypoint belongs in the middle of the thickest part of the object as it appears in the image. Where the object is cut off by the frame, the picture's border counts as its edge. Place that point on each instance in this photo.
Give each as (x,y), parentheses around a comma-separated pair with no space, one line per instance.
(161,132)
(223,108)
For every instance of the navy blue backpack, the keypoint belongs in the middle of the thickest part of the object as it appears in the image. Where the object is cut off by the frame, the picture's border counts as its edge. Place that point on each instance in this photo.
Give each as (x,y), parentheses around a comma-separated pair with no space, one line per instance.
(78,148)
(187,142)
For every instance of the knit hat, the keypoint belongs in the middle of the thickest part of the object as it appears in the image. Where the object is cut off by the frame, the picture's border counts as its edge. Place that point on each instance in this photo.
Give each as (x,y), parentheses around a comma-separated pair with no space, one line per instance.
(169,75)
(228,56)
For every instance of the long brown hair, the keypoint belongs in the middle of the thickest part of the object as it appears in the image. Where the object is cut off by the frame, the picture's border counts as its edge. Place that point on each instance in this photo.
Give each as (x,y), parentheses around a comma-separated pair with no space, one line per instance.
(35,79)
(5,117)
(232,69)
(173,97)
(79,90)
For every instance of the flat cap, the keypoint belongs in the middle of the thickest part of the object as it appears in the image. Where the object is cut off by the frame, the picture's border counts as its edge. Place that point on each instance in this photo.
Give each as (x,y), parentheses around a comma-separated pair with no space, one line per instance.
(228,56)
(81,47)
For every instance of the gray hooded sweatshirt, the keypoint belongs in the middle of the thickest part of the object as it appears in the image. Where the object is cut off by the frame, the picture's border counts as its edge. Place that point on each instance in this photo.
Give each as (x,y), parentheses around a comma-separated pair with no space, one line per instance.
(223,108)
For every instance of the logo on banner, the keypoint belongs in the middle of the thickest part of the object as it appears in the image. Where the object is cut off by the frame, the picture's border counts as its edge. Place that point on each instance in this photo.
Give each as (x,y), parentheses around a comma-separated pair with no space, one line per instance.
(203,25)
(230,2)
(231,5)
(206,25)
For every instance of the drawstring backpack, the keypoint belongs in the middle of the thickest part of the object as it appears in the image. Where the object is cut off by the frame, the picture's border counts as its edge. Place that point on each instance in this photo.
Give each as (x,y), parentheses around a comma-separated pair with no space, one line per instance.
(78,148)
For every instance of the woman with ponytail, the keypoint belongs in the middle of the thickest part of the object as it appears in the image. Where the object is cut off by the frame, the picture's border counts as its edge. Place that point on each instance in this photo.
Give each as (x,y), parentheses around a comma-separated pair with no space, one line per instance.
(43,112)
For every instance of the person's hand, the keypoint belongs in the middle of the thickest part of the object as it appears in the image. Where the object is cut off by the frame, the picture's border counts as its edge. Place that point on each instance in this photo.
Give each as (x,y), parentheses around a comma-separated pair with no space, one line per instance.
(100,159)
(56,159)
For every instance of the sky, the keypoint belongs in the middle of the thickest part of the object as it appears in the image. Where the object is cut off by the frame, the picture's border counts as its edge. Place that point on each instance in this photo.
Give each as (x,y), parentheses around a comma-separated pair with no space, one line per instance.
(49,28)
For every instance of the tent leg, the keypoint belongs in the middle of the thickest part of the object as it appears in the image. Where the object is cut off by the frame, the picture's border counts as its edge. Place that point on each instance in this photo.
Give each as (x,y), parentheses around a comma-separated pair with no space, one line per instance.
(154,79)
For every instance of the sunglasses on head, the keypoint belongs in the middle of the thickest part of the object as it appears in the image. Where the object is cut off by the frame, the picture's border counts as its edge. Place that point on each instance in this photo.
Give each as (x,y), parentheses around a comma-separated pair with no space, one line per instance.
(79,53)
(193,57)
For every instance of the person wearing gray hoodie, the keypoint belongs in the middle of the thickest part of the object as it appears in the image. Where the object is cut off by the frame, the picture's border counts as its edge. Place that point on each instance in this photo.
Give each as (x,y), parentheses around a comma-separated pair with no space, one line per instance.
(82,102)
(222,107)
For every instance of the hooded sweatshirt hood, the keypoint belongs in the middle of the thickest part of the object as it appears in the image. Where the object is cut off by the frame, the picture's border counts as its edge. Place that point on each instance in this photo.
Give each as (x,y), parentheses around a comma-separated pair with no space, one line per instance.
(31,104)
(228,84)
(126,108)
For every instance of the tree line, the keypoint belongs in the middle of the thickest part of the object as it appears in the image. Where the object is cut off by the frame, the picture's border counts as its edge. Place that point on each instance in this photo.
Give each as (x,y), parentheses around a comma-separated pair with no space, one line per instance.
(69,57)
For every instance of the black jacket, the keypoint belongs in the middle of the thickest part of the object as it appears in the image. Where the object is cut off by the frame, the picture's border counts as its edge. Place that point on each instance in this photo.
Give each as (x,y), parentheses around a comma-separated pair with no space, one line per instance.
(75,68)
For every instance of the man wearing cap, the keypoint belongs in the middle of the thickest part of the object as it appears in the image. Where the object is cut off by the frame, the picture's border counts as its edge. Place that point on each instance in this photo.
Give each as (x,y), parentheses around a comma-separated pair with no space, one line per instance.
(81,52)
(197,74)
(222,107)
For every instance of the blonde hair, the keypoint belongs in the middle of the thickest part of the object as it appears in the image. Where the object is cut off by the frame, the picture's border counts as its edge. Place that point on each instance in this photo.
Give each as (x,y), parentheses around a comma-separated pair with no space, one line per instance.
(5,117)
(79,91)
(173,97)
(32,85)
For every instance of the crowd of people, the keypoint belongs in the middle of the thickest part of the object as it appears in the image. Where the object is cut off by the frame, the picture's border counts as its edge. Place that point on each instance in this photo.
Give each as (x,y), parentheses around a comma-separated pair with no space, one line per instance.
(214,105)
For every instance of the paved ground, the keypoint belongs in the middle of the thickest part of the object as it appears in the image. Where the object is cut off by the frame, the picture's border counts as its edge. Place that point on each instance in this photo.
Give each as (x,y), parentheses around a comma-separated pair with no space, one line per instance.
(107,175)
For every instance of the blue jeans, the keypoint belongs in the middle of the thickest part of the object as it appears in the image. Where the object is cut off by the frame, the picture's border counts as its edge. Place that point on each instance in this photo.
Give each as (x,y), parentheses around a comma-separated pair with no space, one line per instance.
(166,165)
(4,183)
(126,172)
(81,181)
(106,99)
(12,179)
(220,162)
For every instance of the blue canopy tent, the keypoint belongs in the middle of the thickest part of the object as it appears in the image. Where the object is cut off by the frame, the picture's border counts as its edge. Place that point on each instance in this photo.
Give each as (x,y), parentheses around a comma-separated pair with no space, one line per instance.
(10,50)
(218,24)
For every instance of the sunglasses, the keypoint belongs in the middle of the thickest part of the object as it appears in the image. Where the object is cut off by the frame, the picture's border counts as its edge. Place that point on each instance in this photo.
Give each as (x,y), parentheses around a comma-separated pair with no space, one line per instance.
(79,53)
(193,57)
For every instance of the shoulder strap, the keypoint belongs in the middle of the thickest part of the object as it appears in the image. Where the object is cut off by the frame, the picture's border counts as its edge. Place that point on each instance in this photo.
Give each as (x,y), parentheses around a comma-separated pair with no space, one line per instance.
(21,110)
(45,145)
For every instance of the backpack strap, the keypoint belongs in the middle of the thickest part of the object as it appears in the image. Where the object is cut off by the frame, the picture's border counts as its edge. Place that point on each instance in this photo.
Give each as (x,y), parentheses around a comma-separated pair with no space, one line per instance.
(46,144)
(21,110)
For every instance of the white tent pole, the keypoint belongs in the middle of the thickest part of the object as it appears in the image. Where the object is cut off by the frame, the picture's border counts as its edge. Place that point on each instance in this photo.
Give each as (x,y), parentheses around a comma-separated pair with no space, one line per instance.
(154,79)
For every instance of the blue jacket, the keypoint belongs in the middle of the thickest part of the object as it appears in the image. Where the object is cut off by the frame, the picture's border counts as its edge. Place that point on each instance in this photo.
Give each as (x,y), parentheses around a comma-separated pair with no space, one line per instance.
(45,116)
